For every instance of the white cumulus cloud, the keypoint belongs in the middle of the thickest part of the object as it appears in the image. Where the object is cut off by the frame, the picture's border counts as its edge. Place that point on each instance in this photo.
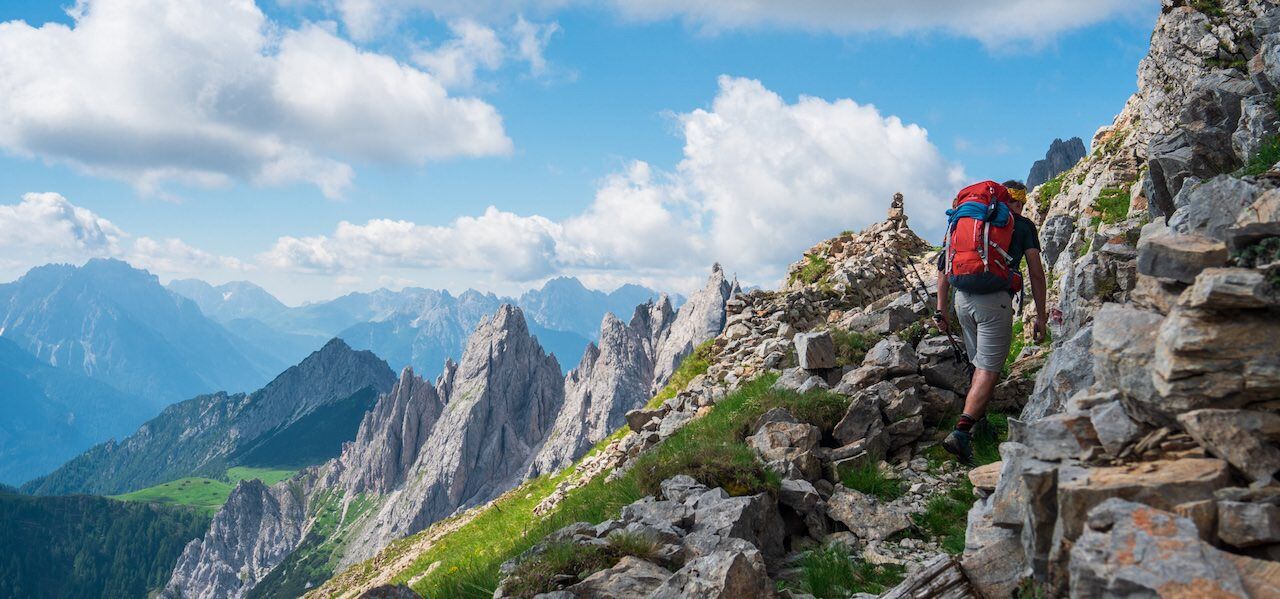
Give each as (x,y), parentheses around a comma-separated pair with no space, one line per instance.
(761,180)
(46,227)
(510,246)
(205,92)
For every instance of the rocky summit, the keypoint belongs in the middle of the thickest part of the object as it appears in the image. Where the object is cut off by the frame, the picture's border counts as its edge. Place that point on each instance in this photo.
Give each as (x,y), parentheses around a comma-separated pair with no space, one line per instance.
(1061,156)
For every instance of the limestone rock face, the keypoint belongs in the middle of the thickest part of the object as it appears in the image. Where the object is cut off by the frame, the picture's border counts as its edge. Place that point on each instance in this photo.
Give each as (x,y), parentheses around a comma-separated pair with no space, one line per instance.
(1061,156)
(613,378)
(502,401)
(226,562)
(699,319)
(390,437)
(1244,438)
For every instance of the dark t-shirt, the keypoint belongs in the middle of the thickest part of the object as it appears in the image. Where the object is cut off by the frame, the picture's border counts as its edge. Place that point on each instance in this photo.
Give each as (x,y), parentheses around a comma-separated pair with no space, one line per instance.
(1025,237)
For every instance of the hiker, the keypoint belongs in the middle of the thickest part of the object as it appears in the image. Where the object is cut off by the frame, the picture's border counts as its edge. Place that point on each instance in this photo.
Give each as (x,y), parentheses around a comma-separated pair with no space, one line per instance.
(987,238)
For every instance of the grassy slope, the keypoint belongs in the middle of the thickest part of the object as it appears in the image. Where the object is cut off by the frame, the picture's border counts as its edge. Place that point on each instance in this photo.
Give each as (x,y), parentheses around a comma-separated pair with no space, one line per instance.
(464,562)
(206,494)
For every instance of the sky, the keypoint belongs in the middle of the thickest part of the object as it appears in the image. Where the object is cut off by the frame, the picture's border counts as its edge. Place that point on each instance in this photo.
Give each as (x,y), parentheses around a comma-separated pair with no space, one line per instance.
(320,147)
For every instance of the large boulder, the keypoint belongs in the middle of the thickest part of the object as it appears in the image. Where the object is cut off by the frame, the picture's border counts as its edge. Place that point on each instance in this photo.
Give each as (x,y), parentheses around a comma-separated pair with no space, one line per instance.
(1162,484)
(1179,257)
(1068,370)
(1259,221)
(1134,550)
(1232,289)
(1209,360)
(1124,339)
(1055,234)
(993,557)
(787,447)
(1246,439)
(940,366)
(753,519)
(889,358)
(939,578)
(1258,122)
(1209,208)
(815,350)
(866,517)
(864,417)
(720,575)
(630,577)
(1243,524)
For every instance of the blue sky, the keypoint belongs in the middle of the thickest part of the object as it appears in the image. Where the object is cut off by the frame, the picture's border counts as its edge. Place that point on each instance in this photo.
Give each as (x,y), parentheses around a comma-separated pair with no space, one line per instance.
(733,164)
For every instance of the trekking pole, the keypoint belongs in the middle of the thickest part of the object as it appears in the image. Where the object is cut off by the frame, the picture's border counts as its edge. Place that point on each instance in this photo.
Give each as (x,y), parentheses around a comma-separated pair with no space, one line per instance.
(957,352)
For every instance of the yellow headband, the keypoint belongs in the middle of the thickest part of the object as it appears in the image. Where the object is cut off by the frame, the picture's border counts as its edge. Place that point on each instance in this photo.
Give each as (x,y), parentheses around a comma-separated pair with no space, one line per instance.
(1019,195)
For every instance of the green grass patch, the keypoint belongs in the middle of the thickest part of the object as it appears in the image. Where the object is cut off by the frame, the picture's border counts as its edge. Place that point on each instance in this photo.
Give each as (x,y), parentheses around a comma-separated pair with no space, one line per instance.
(542,573)
(1267,156)
(813,269)
(693,365)
(946,516)
(870,479)
(1112,205)
(204,494)
(833,572)
(464,563)
(268,476)
(852,346)
(1049,190)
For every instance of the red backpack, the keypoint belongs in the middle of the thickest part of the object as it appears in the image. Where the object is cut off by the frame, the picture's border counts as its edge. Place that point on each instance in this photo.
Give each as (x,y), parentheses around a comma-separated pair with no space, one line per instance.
(979,234)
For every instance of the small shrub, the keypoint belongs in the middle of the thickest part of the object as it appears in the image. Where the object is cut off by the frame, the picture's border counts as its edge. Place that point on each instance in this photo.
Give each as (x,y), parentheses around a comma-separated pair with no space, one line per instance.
(814,268)
(832,572)
(869,479)
(1211,8)
(1268,155)
(914,333)
(851,346)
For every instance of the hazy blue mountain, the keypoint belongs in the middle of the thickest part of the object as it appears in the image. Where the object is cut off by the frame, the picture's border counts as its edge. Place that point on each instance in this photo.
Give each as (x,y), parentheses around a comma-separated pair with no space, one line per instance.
(229,301)
(414,326)
(564,304)
(83,546)
(430,326)
(48,415)
(115,323)
(200,435)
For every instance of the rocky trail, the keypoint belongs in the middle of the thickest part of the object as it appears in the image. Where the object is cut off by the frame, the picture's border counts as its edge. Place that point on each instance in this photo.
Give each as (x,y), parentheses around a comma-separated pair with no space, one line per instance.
(795,452)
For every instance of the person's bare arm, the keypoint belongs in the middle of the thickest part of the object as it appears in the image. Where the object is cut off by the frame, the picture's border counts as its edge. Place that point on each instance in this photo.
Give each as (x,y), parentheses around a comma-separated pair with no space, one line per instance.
(1035,268)
(944,294)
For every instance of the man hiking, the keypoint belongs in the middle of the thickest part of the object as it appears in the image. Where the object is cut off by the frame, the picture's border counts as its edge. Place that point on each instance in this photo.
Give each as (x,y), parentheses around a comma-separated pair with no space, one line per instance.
(987,238)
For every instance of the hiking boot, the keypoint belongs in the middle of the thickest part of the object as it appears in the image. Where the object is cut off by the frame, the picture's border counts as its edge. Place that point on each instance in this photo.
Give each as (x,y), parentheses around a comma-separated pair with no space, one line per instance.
(959,444)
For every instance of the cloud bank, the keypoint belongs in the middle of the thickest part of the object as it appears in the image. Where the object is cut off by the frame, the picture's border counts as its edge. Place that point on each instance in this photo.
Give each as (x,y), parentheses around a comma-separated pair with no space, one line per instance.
(760,181)
(204,92)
